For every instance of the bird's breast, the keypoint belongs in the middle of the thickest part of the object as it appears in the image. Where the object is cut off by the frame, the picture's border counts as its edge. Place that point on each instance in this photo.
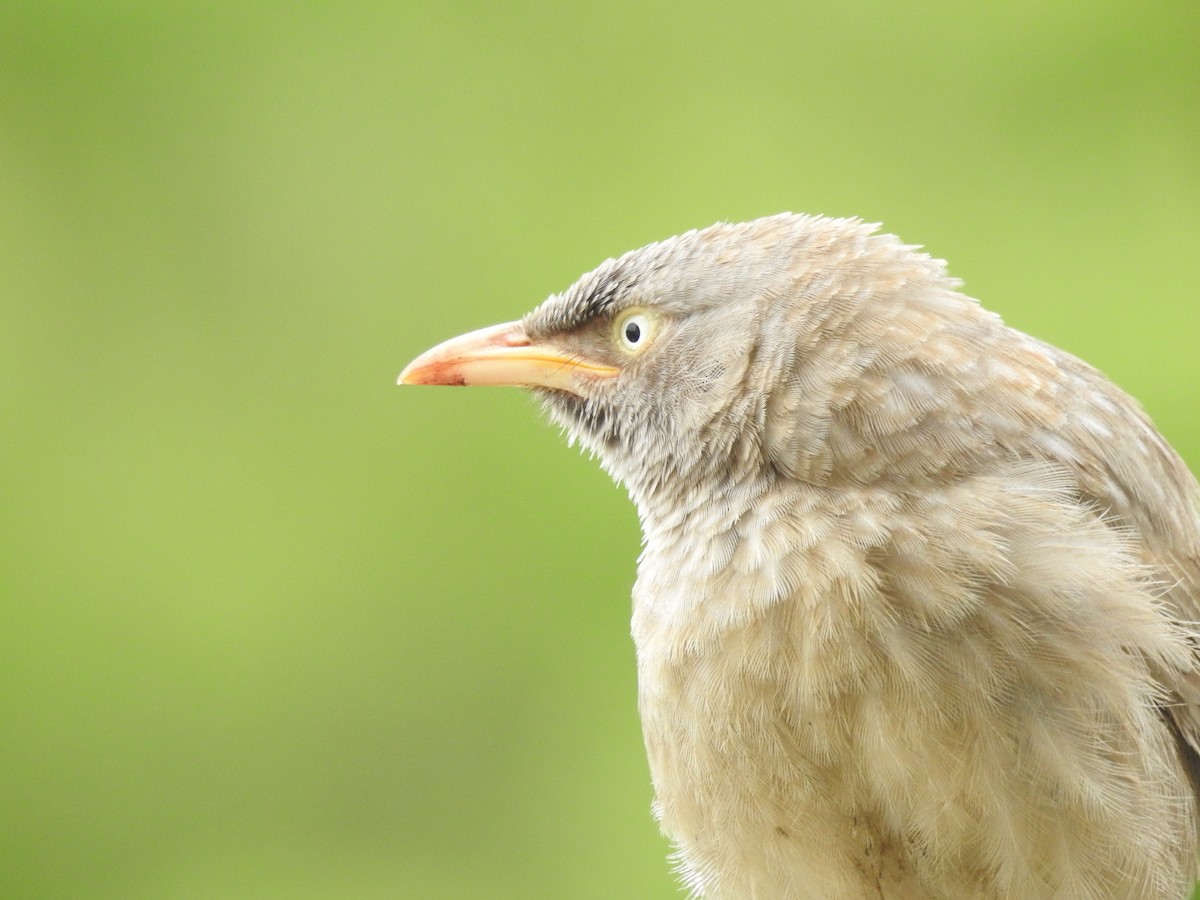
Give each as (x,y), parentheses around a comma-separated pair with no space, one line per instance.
(747,639)
(841,691)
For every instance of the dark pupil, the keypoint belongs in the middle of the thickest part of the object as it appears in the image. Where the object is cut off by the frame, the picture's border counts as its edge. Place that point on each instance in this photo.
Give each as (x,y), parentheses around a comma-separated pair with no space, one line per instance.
(633,332)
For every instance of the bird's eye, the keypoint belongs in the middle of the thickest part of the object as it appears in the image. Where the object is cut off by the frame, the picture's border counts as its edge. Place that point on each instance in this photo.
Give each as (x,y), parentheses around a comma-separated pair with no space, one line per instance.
(634,331)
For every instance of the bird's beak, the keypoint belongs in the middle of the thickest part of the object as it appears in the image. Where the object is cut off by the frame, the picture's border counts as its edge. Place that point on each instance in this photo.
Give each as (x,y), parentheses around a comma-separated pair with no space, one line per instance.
(502,354)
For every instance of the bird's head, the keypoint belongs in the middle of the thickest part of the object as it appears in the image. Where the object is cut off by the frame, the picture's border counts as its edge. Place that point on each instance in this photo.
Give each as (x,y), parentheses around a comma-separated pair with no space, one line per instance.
(715,355)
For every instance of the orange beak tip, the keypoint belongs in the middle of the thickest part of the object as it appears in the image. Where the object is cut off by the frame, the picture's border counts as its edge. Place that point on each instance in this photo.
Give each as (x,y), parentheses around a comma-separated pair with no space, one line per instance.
(407,376)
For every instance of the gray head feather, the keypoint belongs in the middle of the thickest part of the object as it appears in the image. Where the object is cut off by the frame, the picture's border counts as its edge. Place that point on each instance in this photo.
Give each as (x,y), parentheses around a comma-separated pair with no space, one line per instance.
(765,329)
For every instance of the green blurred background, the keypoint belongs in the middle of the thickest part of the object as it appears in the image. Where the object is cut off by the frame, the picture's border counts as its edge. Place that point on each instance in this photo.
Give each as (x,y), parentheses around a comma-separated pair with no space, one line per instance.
(273,627)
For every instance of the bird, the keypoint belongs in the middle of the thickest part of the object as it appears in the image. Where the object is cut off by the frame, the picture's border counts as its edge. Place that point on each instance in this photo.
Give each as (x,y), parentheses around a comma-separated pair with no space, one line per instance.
(916,610)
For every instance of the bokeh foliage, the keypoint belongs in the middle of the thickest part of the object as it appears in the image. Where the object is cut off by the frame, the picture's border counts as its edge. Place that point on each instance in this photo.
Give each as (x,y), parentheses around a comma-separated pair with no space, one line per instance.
(274,628)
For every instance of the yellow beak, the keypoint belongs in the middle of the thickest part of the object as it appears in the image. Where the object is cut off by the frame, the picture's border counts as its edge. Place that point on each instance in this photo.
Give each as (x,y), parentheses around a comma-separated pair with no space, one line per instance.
(502,354)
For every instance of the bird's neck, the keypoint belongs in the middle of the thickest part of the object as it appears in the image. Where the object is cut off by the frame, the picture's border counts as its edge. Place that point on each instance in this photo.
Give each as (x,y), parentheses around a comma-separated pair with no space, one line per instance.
(671,509)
